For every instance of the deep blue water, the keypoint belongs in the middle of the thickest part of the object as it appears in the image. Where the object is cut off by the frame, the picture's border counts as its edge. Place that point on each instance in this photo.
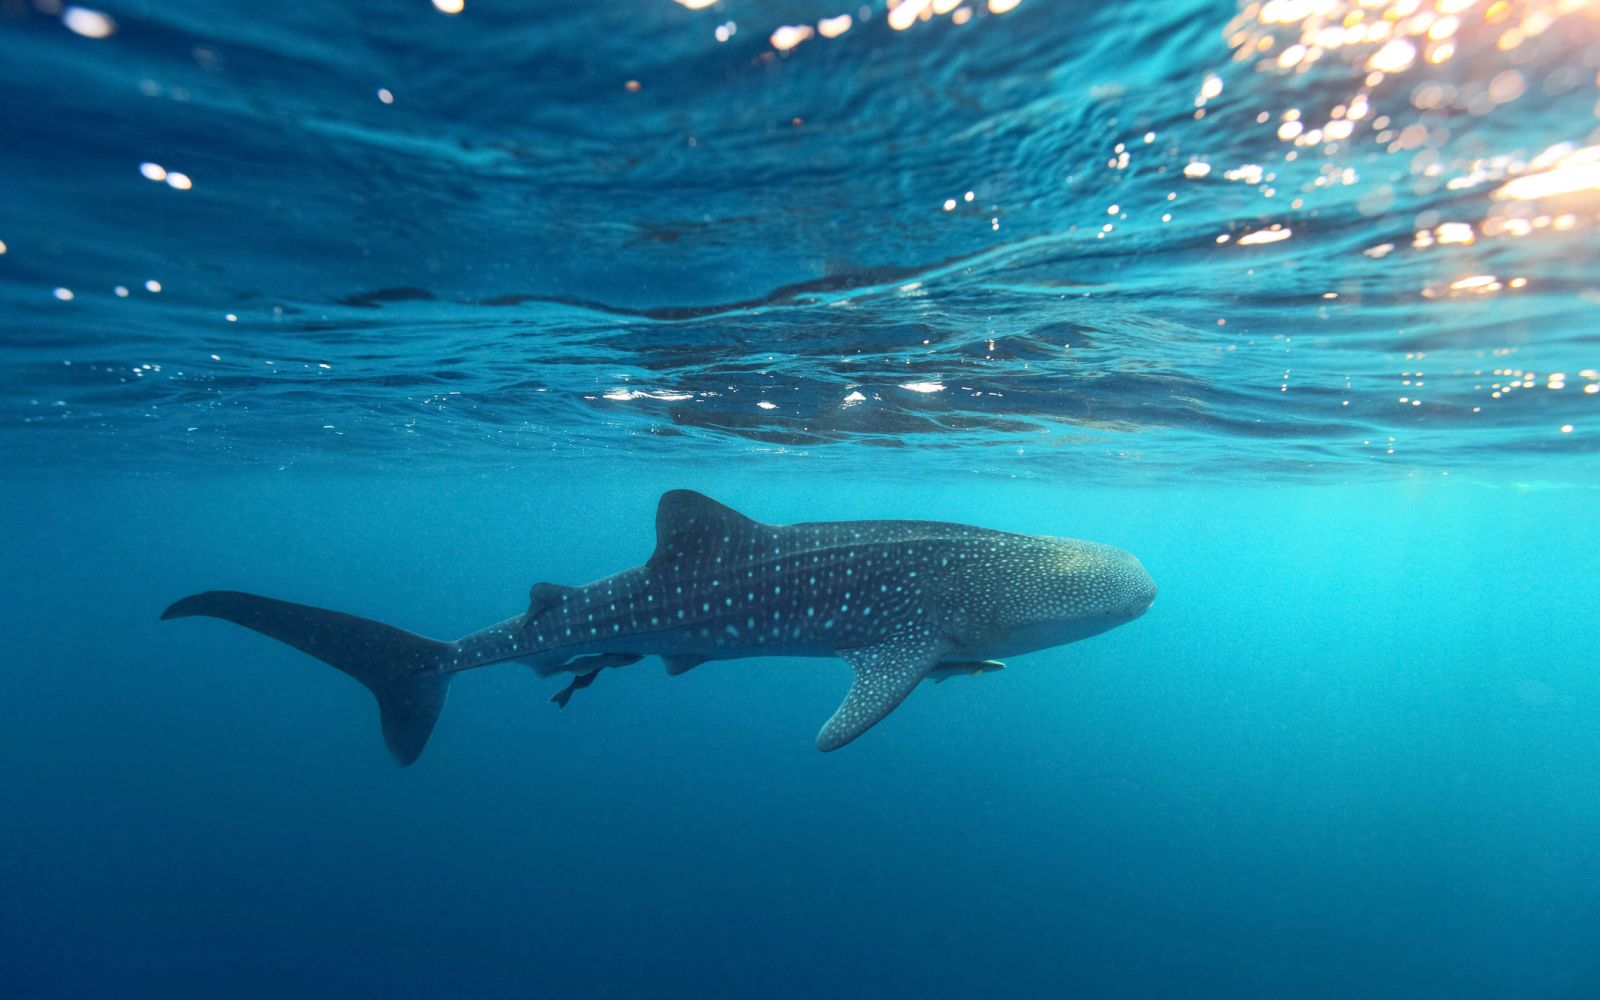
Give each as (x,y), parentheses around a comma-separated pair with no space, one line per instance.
(384,309)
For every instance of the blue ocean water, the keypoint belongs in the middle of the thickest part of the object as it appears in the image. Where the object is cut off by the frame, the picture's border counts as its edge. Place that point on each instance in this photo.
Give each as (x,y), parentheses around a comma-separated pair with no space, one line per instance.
(399,307)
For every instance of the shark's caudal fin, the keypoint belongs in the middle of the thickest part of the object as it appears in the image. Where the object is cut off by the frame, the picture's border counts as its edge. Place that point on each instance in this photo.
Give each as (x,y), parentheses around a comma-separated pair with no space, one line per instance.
(397,666)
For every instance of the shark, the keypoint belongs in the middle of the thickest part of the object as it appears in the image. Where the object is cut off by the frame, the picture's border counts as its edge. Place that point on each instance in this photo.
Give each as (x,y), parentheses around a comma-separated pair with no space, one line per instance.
(901,602)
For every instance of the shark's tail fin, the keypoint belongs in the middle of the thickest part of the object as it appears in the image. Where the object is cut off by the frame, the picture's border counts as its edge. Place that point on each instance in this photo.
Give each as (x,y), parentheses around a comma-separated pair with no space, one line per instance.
(401,669)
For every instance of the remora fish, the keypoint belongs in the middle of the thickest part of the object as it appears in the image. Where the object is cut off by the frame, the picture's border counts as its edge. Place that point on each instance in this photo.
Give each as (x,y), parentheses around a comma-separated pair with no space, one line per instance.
(900,601)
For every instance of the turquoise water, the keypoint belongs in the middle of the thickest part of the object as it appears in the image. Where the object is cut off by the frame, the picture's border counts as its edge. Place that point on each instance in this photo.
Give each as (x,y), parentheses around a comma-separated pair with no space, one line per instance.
(395,311)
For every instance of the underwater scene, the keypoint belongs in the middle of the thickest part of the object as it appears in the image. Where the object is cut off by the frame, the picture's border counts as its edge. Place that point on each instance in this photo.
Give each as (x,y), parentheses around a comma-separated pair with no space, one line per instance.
(916,498)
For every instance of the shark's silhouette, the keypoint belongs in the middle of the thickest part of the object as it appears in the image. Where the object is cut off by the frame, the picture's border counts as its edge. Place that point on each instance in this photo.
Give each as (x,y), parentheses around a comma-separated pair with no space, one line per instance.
(901,601)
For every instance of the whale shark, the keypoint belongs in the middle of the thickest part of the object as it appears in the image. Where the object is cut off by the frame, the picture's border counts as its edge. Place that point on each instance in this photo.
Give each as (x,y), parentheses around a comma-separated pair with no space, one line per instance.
(900,601)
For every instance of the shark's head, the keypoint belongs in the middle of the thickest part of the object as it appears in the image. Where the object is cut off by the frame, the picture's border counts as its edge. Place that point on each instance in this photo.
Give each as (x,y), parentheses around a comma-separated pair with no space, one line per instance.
(1061,590)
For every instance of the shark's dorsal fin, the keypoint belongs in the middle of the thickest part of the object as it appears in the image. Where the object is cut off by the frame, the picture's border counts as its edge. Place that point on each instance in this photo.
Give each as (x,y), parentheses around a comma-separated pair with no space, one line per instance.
(885,673)
(687,521)
(544,596)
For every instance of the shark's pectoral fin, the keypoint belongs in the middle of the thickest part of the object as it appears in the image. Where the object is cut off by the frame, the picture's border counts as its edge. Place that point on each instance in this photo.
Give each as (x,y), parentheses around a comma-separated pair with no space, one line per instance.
(885,674)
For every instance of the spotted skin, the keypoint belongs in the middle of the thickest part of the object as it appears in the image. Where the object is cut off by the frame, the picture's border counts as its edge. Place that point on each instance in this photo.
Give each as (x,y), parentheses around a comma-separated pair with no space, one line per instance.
(884,674)
(900,601)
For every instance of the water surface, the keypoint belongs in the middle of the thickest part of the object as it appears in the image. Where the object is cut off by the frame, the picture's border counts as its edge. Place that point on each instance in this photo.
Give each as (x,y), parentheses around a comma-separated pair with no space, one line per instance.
(398,311)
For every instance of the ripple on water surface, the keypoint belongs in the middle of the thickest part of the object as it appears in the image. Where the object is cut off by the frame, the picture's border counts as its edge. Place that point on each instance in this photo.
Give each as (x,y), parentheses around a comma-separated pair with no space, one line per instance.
(1300,237)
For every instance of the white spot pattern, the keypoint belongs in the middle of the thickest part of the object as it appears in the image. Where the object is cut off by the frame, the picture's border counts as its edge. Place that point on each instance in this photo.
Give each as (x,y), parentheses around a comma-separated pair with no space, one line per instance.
(887,590)
(884,675)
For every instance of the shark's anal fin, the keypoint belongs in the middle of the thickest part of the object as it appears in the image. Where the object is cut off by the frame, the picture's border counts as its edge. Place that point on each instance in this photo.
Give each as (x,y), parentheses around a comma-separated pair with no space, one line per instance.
(680,664)
(955,668)
(884,674)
